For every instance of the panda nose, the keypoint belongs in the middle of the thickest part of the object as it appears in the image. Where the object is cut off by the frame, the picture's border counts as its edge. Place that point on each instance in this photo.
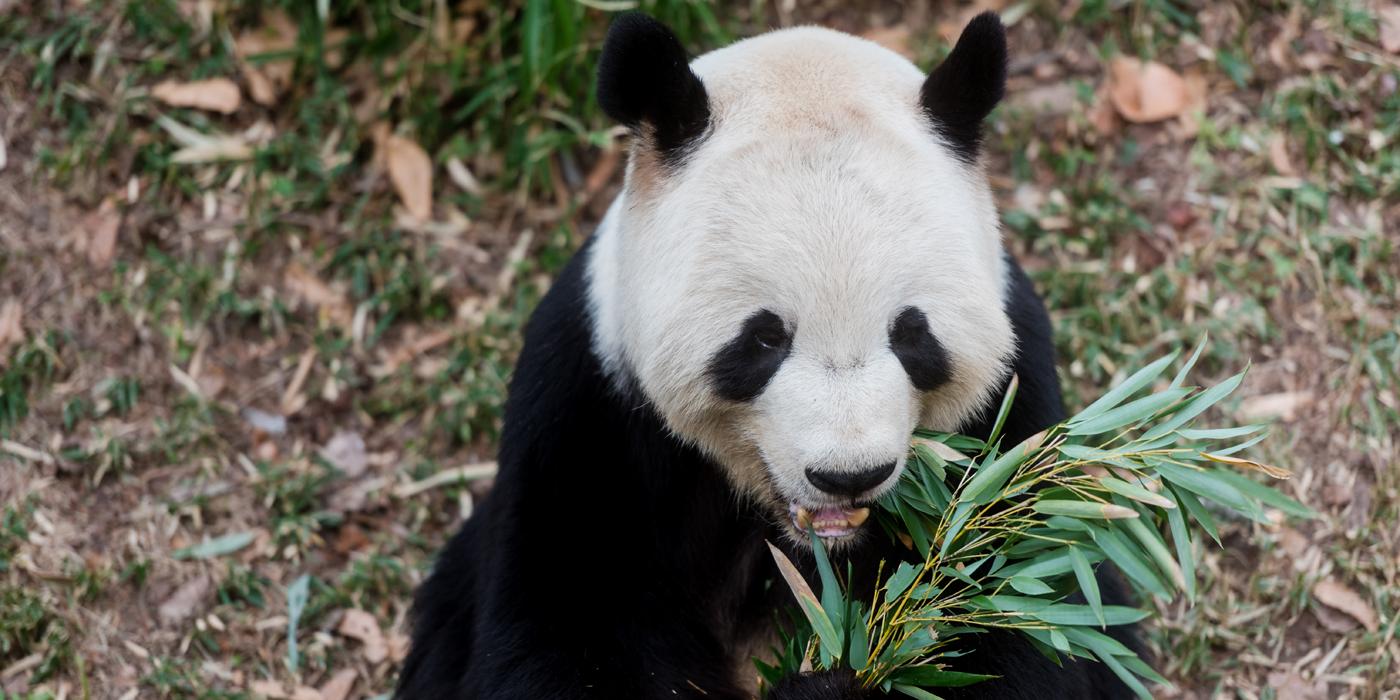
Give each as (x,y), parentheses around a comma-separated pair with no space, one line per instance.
(849,483)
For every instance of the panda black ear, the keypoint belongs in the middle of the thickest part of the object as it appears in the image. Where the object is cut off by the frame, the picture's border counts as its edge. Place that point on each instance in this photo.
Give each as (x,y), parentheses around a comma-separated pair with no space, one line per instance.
(644,79)
(964,88)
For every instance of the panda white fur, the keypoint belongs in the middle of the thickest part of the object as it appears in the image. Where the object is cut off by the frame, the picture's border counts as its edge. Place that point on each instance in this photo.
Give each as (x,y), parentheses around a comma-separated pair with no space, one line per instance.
(804,265)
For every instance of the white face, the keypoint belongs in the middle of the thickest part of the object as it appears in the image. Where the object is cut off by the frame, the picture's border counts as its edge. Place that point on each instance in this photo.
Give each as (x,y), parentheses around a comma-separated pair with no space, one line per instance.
(819,277)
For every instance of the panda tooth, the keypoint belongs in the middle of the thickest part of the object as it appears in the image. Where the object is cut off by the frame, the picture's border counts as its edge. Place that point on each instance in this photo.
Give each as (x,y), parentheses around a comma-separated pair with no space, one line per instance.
(804,518)
(858,517)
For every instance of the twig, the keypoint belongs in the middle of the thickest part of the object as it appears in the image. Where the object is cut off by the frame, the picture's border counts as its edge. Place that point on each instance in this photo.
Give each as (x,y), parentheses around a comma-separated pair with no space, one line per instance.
(462,474)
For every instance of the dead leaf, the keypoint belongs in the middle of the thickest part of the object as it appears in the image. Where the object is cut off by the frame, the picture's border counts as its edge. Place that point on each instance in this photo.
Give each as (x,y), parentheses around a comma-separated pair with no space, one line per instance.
(1102,116)
(360,625)
(398,647)
(346,452)
(800,589)
(304,284)
(212,95)
(1278,156)
(1291,686)
(100,228)
(1283,404)
(340,685)
(267,78)
(186,600)
(1390,28)
(11,325)
(1335,594)
(894,38)
(1145,92)
(1268,469)
(411,171)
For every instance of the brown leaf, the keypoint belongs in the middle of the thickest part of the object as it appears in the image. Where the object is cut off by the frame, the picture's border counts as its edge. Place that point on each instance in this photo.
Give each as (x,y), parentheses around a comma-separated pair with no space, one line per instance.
(1390,28)
(800,589)
(304,284)
(358,624)
(411,171)
(212,95)
(1291,686)
(11,325)
(1278,156)
(346,452)
(340,685)
(1283,404)
(100,230)
(267,79)
(1145,92)
(1268,469)
(186,600)
(1335,594)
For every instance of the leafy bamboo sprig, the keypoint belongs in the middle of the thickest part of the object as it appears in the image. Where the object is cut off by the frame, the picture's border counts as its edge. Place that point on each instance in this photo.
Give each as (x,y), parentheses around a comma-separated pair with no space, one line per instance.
(1010,536)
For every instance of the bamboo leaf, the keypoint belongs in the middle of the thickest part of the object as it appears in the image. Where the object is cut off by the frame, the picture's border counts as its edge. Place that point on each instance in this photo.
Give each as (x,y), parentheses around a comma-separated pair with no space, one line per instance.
(988,480)
(1130,386)
(1005,409)
(1128,414)
(807,600)
(900,579)
(1198,512)
(1265,494)
(1135,492)
(1209,485)
(933,677)
(1088,583)
(1196,407)
(1186,368)
(832,601)
(1128,559)
(1083,509)
(917,693)
(1181,539)
(1030,586)
(1157,549)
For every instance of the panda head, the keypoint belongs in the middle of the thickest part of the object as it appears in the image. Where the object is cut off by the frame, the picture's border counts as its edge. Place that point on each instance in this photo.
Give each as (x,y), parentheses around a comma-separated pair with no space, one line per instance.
(805,263)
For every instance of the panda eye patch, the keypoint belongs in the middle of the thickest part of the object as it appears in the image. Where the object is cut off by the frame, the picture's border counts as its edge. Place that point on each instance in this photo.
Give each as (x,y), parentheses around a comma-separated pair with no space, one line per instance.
(924,358)
(743,367)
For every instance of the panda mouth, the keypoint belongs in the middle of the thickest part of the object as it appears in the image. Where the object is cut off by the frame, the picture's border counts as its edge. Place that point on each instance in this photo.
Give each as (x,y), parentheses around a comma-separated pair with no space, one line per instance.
(829,522)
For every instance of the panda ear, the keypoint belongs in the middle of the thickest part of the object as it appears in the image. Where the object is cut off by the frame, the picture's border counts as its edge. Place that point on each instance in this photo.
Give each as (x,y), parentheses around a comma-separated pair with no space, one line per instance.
(964,88)
(644,79)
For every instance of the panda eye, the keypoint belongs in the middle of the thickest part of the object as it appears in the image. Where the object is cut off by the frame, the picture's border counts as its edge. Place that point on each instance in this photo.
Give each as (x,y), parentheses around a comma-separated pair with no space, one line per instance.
(770,337)
(742,368)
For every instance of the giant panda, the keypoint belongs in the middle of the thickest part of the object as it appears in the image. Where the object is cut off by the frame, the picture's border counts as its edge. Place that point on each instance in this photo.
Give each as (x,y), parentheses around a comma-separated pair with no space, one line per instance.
(804,265)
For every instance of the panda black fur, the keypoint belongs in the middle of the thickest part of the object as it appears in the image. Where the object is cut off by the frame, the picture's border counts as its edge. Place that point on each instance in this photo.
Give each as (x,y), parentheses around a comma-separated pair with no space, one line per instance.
(621,553)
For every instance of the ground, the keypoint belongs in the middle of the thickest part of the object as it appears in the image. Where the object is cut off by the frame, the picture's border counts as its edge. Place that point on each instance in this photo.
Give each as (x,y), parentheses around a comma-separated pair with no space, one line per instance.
(253,349)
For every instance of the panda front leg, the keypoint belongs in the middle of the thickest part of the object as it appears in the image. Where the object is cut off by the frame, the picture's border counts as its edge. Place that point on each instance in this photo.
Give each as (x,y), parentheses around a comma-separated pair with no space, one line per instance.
(821,685)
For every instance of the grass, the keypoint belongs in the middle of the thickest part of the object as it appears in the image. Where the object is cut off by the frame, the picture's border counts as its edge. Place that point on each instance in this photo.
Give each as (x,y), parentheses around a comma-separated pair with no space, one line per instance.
(124,401)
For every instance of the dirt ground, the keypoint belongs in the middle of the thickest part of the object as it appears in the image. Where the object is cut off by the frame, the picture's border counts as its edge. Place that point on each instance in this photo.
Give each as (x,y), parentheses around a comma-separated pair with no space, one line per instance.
(252,360)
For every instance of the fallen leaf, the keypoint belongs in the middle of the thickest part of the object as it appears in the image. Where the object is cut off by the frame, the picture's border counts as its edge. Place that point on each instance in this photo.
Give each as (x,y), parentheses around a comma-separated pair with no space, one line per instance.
(398,647)
(186,600)
(894,38)
(1291,686)
(411,171)
(303,283)
(212,95)
(360,625)
(264,422)
(1102,116)
(217,547)
(11,325)
(1283,404)
(1278,156)
(1335,594)
(1390,28)
(1145,92)
(267,78)
(339,686)
(346,451)
(100,228)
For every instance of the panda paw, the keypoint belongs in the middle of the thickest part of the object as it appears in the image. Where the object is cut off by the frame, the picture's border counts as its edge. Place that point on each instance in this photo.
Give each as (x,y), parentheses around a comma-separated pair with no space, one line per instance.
(822,685)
